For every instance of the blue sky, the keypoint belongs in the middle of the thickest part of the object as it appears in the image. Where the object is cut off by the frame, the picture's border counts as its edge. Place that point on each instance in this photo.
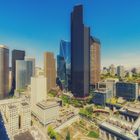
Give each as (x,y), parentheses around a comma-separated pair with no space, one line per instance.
(38,26)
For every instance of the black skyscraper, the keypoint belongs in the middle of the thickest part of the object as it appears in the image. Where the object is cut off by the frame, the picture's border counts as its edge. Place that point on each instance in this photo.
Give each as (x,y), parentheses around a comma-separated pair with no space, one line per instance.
(16,55)
(80,54)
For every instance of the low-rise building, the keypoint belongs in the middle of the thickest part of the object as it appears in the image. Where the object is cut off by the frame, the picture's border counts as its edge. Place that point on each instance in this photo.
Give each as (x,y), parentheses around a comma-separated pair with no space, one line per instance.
(128,91)
(46,111)
(100,97)
(122,126)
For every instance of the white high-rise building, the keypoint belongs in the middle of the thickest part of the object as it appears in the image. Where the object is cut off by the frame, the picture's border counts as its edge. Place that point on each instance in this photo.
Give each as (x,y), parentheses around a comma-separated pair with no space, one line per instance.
(25,116)
(12,119)
(38,89)
(17,115)
(120,71)
(4,71)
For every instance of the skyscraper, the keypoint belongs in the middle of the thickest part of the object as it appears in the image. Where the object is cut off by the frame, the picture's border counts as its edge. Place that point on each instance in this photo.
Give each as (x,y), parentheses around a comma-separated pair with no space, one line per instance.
(80,54)
(4,71)
(64,63)
(61,68)
(16,55)
(50,70)
(120,71)
(38,89)
(32,60)
(31,68)
(24,72)
(65,51)
(95,63)
(21,74)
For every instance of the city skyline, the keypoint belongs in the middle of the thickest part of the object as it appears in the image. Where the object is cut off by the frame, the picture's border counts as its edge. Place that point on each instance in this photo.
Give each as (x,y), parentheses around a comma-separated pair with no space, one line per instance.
(117,29)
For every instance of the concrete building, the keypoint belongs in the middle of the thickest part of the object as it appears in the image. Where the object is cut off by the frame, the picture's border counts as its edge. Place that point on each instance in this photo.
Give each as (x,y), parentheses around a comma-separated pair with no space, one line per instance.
(128,91)
(50,70)
(46,111)
(17,116)
(100,97)
(16,55)
(95,62)
(12,119)
(4,71)
(39,71)
(38,89)
(120,71)
(80,54)
(112,70)
(124,126)
(25,116)
(109,84)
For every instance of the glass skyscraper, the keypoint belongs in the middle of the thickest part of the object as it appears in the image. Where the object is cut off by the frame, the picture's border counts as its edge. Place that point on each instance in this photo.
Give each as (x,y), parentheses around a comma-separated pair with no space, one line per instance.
(64,63)
(80,54)
(24,72)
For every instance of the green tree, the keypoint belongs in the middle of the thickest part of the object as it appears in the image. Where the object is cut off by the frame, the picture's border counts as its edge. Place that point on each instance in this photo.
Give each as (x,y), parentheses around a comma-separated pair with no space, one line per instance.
(68,136)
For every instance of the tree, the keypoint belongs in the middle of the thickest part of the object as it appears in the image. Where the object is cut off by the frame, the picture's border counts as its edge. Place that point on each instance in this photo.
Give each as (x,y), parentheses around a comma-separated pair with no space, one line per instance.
(51,133)
(68,136)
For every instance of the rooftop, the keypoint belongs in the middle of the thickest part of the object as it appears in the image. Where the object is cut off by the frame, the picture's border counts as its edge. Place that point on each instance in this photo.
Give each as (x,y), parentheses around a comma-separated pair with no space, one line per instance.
(24,104)
(47,104)
(3,46)
(12,106)
(24,136)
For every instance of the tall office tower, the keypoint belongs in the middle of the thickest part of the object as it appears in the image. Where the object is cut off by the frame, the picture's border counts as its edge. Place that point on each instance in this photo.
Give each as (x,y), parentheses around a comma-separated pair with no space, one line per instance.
(120,71)
(112,70)
(38,89)
(80,54)
(32,69)
(25,116)
(4,71)
(50,70)
(61,68)
(65,52)
(21,74)
(16,55)
(24,72)
(95,61)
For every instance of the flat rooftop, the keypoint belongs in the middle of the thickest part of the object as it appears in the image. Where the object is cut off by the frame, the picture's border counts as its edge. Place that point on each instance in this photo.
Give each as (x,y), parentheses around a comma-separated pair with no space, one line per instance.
(24,136)
(12,106)
(131,107)
(24,104)
(47,104)
(119,131)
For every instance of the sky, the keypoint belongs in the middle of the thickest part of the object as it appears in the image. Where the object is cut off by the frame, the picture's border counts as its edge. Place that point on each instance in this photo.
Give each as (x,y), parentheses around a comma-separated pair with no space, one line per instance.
(37,26)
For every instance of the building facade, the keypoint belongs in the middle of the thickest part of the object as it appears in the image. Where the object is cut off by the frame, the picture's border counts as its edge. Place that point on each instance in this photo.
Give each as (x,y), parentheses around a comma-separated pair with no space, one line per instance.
(21,74)
(100,97)
(80,54)
(95,64)
(61,68)
(38,89)
(24,72)
(4,71)
(128,91)
(16,55)
(120,71)
(50,70)
(65,53)
(32,66)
